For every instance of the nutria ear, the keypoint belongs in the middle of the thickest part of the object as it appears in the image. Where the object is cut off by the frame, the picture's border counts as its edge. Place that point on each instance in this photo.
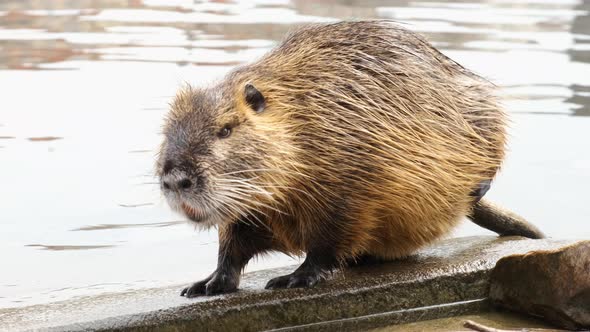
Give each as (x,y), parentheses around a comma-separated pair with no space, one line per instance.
(254,98)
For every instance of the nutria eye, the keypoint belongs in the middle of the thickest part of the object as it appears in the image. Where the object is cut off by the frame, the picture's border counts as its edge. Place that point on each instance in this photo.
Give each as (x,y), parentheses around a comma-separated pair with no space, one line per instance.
(224,132)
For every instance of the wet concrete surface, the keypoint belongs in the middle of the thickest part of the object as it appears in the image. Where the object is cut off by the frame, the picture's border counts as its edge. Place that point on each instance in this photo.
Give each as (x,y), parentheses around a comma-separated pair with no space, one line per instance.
(447,279)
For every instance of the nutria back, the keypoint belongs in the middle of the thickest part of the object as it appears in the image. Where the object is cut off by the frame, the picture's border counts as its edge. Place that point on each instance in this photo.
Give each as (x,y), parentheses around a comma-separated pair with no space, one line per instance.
(352,138)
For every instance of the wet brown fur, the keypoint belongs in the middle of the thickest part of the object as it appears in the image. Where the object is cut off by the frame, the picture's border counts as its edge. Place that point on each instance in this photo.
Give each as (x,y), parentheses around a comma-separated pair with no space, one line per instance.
(382,127)
(370,143)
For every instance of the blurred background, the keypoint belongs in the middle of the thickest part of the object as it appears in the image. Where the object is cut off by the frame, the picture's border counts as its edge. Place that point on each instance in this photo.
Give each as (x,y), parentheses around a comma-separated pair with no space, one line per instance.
(85,85)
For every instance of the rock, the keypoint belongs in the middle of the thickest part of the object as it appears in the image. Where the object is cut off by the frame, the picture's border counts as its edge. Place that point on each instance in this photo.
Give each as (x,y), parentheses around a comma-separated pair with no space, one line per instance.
(554,285)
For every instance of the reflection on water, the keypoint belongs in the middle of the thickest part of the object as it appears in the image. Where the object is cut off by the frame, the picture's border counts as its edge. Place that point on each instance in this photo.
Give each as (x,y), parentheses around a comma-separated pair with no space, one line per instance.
(64,247)
(43,138)
(135,205)
(114,226)
(86,84)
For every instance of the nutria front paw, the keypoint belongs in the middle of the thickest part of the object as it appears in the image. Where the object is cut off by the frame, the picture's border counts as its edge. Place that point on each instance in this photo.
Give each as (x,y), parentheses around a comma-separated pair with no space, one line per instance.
(297,279)
(217,283)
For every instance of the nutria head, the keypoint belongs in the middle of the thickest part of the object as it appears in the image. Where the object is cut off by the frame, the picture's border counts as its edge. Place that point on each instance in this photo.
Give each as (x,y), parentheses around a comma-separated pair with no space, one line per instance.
(212,148)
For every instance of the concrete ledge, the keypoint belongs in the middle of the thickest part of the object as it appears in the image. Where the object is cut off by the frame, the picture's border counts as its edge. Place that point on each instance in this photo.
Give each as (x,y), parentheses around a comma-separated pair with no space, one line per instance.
(444,280)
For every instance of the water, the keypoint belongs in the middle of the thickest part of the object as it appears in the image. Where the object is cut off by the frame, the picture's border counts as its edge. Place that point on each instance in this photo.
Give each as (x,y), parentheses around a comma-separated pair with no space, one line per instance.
(501,320)
(85,85)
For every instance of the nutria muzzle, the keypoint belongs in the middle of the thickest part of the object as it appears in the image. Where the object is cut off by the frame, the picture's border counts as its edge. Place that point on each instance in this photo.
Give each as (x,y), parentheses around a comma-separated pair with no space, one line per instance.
(177,181)
(184,192)
(193,213)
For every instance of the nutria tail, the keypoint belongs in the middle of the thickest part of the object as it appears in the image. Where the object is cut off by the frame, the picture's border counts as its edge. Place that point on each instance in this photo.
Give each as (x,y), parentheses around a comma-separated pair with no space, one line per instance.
(503,222)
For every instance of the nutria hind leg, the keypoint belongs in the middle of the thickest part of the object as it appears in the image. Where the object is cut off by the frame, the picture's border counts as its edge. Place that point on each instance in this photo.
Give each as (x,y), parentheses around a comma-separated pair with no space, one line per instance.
(317,266)
(238,243)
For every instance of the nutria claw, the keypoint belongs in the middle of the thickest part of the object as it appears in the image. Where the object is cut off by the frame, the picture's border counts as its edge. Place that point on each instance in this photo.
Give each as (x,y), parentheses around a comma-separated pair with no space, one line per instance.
(298,279)
(217,283)
(198,288)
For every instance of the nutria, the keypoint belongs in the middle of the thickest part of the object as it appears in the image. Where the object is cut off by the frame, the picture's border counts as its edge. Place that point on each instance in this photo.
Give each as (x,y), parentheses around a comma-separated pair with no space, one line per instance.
(348,140)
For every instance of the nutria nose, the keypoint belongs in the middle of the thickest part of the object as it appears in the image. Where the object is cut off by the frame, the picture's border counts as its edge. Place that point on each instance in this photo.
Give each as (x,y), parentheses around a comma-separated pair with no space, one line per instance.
(177,181)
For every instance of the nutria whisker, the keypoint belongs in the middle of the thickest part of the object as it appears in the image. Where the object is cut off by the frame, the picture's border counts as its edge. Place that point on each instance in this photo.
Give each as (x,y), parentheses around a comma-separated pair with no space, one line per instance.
(237,179)
(242,185)
(237,196)
(261,186)
(241,208)
(264,170)
(250,193)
